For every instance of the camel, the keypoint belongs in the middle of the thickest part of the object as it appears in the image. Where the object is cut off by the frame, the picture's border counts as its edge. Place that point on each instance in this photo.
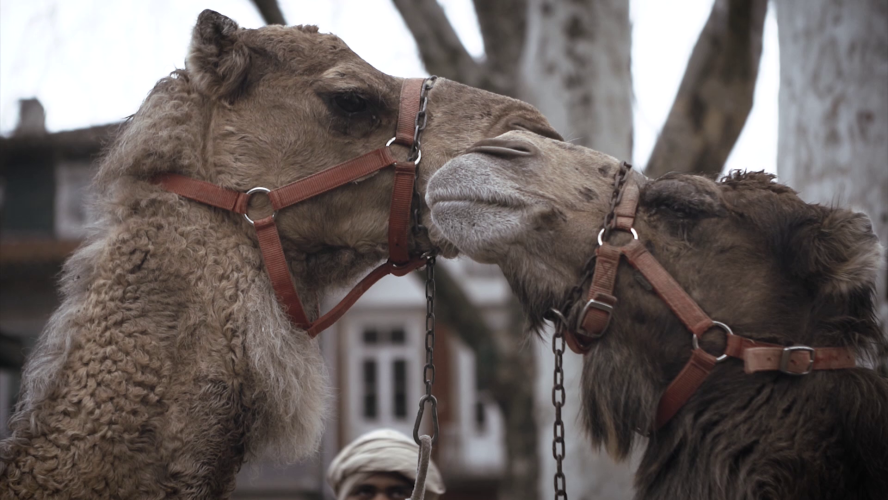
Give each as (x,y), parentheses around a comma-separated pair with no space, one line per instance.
(170,360)
(752,255)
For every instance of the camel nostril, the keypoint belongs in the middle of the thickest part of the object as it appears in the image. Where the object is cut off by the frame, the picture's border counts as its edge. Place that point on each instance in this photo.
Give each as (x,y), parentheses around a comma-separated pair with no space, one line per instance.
(536,128)
(504,148)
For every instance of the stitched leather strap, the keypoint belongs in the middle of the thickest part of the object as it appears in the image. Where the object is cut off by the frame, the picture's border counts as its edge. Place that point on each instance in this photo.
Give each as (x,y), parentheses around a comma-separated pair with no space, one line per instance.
(597,316)
(399,215)
(331,178)
(684,385)
(279,272)
(624,214)
(797,361)
(411,91)
(600,300)
(204,192)
(667,288)
(343,306)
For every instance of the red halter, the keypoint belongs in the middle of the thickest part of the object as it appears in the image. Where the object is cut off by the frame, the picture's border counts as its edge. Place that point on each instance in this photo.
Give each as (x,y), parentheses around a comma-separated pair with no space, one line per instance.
(757,356)
(400,261)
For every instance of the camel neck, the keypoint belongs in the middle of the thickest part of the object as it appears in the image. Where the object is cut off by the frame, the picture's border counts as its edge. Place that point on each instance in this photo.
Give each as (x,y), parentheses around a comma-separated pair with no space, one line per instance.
(152,386)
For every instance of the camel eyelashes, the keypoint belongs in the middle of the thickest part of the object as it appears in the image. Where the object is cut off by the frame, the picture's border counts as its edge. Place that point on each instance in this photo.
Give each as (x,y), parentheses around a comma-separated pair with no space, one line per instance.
(350,102)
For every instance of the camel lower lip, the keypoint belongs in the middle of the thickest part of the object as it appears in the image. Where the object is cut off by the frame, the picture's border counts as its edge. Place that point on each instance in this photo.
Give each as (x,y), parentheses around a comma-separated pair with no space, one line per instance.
(478,201)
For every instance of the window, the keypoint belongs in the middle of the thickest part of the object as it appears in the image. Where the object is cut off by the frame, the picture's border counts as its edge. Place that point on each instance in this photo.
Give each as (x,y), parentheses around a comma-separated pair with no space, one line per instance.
(398,336)
(381,372)
(480,415)
(370,397)
(399,370)
(370,336)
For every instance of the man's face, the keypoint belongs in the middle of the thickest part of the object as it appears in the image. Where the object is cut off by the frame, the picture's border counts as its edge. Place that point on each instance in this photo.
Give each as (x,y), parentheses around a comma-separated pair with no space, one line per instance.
(382,486)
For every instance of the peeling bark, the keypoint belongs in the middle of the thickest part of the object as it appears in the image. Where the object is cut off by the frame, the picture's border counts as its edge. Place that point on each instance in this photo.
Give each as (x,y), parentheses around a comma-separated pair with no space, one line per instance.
(716,92)
(833,143)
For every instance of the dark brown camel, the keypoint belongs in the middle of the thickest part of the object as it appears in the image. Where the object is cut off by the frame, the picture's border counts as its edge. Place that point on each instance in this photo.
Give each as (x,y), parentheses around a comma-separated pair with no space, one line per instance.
(753,256)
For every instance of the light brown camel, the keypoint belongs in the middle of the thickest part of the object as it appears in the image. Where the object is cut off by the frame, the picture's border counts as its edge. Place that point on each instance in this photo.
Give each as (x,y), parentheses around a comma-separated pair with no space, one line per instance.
(170,359)
(753,256)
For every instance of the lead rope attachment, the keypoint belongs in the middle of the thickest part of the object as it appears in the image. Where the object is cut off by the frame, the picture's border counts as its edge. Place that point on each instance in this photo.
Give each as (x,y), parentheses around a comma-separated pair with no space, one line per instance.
(425,442)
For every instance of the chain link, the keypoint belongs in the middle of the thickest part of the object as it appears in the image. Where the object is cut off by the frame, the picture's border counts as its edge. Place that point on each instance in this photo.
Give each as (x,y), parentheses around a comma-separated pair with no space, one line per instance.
(428,371)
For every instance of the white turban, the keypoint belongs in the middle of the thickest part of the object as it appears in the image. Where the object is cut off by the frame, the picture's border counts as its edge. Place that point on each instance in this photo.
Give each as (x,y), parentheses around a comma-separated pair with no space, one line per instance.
(377,452)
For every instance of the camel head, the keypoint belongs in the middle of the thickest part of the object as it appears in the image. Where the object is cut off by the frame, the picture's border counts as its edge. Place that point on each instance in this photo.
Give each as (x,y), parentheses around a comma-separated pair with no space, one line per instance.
(748,250)
(277,104)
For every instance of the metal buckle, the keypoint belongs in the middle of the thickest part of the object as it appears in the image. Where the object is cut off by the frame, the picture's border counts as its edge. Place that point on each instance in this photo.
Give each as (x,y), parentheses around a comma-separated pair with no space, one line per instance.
(250,193)
(601,306)
(787,352)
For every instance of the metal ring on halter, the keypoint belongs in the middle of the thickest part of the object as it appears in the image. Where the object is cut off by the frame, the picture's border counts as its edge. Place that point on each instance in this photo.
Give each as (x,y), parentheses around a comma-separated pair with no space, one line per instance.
(258,190)
(717,324)
(601,233)
(418,151)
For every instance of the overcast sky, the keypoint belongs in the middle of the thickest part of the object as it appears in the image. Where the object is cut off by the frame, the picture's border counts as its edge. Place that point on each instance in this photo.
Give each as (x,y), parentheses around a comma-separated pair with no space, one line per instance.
(92,62)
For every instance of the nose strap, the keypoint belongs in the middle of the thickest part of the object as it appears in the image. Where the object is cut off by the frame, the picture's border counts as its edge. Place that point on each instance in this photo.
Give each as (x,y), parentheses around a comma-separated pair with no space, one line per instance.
(400,261)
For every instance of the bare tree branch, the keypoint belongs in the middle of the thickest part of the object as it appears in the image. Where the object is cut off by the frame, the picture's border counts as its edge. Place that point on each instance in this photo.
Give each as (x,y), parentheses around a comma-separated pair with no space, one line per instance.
(270,11)
(716,93)
(441,50)
(503,26)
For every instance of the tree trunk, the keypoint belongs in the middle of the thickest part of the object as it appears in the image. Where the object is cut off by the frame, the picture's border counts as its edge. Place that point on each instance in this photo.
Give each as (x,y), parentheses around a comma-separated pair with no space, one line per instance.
(715,95)
(576,70)
(833,142)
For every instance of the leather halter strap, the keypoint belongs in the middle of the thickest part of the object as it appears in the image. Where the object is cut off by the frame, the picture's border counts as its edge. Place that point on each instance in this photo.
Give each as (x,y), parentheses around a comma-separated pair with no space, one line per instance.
(400,261)
(756,355)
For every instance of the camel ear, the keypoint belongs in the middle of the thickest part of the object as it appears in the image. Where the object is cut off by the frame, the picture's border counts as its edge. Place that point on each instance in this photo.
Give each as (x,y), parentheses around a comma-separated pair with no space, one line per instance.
(218,60)
(840,254)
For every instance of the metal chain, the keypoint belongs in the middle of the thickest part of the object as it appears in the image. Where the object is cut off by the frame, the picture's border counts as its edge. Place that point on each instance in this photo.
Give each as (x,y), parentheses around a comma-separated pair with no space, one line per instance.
(558,343)
(428,372)
(422,119)
(558,397)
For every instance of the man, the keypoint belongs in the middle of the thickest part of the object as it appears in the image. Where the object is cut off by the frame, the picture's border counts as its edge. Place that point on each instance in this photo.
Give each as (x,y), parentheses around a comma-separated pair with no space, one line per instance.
(380,465)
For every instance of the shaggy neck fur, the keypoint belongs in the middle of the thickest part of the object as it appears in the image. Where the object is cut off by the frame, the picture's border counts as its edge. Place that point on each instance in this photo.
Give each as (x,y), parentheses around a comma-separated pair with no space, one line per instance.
(169,360)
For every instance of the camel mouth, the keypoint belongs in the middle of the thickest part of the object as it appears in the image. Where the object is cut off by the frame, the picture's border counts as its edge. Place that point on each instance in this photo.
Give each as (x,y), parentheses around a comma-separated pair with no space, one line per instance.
(451,186)
(474,196)
(476,208)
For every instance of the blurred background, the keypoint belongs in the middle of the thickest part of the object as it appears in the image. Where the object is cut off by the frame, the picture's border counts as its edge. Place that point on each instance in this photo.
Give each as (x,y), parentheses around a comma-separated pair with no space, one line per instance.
(798,88)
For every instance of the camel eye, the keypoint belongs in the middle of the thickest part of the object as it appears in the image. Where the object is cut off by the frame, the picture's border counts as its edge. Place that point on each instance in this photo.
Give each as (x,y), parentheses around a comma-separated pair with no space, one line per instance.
(350,102)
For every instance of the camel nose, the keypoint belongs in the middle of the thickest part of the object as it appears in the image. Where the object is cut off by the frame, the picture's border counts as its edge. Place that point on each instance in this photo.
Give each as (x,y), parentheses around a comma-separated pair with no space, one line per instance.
(504,148)
(537,128)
